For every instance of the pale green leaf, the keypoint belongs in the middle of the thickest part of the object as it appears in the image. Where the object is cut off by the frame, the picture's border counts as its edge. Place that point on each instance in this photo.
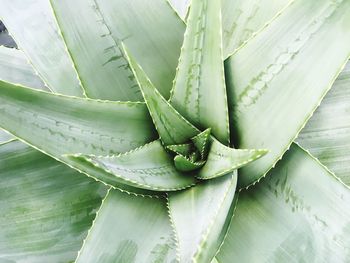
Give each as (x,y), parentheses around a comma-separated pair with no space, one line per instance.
(149,167)
(171,126)
(152,31)
(4,136)
(223,160)
(14,68)
(200,79)
(57,125)
(129,229)
(270,95)
(181,7)
(242,19)
(46,208)
(100,62)
(327,134)
(33,26)
(200,217)
(298,213)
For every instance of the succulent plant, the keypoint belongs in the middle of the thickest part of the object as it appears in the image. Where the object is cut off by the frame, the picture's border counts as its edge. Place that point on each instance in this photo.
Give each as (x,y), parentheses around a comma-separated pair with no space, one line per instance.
(155,131)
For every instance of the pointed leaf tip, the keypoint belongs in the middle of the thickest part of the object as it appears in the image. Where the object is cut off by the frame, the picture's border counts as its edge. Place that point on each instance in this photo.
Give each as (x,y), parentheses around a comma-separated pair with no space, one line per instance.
(171,126)
(222,160)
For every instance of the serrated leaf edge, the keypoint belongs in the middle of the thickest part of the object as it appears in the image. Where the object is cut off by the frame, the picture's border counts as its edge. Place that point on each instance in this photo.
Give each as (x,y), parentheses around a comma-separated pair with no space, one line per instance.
(330,85)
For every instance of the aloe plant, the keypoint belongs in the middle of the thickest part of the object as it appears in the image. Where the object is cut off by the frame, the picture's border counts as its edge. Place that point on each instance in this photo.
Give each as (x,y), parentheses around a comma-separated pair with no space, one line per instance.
(155,131)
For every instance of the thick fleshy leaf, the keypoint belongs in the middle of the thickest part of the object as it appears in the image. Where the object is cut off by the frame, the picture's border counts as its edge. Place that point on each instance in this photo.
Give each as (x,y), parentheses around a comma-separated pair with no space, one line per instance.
(14,68)
(185,164)
(242,19)
(58,125)
(223,160)
(200,217)
(171,126)
(327,134)
(149,167)
(299,213)
(267,80)
(202,142)
(199,81)
(33,26)
(152,31)
(97,54)
(181,7)
(46,208)
(129,229)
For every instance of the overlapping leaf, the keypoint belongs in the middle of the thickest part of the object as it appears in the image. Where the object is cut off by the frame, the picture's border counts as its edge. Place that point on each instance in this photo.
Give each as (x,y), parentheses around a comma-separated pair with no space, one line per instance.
(59,125)
(199,80)
(267,78)
(35,31)
(299,212)
(129,229)
(46,207)
(14,68)
(99,60)
(200,216)
(153,33)
(327,134)
(242,19)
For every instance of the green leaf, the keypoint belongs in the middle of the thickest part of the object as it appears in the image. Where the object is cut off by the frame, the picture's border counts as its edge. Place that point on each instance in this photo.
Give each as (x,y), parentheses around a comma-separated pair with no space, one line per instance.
(149,167)
(200,217)
(5,137)
(181,7)
(34,29)
(182,149)
(202,142)
(242,19)
(223,160)
(185,164)
(153,33)
(57,125)
(46,207)
(14,68)
(299,213)
(327,134)
(98,57)
(171,126)
(129,229)
(200,79)
(267,80)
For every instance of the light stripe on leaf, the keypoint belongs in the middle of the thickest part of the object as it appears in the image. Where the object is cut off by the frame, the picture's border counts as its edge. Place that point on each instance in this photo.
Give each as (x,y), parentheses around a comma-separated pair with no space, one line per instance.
(199,92)
(5,137)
